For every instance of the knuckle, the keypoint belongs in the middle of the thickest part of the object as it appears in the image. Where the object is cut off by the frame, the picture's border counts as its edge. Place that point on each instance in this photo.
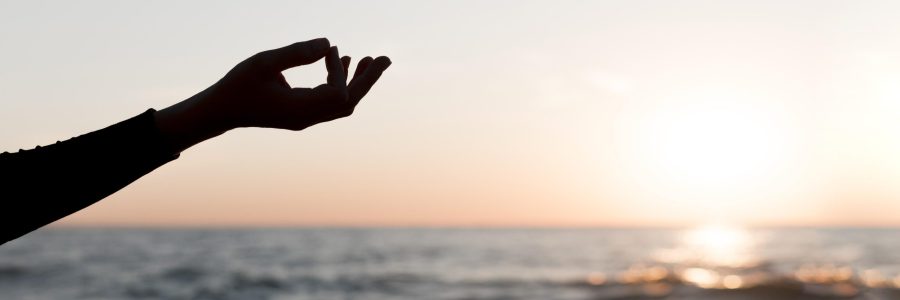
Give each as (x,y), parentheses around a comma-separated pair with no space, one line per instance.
(258,57)
(259,60)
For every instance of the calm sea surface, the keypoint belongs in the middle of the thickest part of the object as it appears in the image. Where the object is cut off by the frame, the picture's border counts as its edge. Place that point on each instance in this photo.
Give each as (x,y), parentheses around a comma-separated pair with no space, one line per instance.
(703,263)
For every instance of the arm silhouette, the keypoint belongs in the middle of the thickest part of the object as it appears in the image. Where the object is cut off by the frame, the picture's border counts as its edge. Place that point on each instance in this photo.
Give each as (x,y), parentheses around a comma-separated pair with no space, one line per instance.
(44,184)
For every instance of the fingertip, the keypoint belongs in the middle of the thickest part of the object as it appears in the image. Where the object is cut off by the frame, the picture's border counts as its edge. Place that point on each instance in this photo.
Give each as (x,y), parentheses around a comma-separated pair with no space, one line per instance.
(293,55)
(345,62)
(335,55)
(383,61)
(320,44)
(332,58)
(364,62)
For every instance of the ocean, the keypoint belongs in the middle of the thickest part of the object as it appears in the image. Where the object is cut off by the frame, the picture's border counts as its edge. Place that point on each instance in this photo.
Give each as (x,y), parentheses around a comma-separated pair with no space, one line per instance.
(452,263)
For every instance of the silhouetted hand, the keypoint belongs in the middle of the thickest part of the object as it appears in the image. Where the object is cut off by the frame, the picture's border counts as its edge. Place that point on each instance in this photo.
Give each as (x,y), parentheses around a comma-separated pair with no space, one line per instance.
(255,94)
(48,183)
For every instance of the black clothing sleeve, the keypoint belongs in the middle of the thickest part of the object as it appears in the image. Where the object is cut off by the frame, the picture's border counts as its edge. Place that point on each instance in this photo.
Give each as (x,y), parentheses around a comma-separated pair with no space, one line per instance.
(45,184)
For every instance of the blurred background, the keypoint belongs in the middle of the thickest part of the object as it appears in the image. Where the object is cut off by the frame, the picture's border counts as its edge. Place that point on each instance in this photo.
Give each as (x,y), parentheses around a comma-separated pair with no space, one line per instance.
(514,150)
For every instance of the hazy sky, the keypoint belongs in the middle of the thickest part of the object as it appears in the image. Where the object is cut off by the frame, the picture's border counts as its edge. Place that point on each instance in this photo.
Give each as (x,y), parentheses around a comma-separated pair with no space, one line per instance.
(625,113)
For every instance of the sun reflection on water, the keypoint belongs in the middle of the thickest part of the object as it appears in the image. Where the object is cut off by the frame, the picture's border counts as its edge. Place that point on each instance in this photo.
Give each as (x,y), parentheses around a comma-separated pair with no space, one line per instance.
(719,257)
(733,260)
(720,246)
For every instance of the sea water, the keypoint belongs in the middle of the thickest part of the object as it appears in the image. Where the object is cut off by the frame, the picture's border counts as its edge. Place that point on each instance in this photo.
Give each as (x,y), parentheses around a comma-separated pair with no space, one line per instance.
(458,263)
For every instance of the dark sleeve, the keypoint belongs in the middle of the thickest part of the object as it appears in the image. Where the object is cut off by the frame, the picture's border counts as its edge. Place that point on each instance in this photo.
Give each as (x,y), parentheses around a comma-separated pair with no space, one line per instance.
(45,184)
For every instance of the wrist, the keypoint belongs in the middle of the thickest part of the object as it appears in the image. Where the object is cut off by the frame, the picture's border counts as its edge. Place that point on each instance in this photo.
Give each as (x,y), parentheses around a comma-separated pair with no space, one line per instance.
(190,122)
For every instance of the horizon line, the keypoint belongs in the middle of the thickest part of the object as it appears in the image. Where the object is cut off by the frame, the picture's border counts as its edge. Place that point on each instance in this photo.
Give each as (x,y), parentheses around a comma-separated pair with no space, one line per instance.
(450,226)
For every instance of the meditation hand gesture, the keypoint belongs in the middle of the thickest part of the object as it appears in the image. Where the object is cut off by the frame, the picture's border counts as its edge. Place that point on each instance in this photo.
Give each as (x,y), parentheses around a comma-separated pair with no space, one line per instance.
(255,94)
(87,168)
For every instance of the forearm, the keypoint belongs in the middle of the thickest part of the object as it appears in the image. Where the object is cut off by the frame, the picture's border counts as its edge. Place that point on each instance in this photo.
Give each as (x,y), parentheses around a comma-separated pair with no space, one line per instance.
(48,183)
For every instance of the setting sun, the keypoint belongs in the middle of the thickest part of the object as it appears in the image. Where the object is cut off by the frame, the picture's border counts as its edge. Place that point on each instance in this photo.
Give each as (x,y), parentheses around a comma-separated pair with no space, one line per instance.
(718,150)
(712,141)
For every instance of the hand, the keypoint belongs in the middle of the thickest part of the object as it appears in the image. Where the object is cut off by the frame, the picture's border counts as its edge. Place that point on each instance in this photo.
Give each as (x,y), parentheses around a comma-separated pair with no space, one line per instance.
(255,94)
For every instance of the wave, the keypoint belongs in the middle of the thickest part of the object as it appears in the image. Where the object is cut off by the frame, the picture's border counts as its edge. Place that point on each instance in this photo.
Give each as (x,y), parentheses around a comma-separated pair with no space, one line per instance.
(12,271)
(401,265)
(637,282)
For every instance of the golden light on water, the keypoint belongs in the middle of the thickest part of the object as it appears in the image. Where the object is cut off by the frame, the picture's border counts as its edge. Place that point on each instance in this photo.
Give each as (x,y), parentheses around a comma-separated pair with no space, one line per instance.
(824,274)
(722,257)
(708,257)
(732,282)
(701,277)
(720,245)
(718,257)
(596,278)
(873,278)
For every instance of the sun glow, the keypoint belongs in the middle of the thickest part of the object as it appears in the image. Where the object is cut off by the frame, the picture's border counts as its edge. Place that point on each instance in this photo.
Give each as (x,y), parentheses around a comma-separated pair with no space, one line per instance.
(710,144)
(710,151)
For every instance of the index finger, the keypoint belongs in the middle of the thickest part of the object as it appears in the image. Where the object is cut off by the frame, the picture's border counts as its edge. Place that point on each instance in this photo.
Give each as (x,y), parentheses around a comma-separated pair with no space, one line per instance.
(293,55)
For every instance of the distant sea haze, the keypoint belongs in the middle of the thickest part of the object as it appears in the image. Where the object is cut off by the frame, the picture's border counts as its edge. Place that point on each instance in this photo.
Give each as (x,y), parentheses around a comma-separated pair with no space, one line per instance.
(392,263)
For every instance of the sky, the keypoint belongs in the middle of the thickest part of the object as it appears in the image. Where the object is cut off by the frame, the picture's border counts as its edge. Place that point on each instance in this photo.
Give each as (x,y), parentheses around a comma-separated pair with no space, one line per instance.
(493,113)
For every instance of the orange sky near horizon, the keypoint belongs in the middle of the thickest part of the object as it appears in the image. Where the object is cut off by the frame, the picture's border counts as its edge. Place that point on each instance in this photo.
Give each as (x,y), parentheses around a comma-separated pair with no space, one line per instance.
(517,113)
